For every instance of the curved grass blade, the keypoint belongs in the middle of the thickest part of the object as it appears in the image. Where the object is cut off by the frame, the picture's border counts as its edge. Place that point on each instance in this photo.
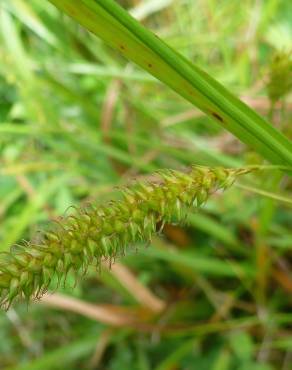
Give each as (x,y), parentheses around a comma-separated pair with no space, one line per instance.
(106,19)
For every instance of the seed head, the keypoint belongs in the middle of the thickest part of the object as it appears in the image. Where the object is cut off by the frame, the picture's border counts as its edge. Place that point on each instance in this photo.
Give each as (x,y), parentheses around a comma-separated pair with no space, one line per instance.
(103,232)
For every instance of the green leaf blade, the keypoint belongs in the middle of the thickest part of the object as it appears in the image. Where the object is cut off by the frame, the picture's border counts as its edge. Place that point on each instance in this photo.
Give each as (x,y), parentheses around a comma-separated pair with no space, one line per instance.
(116,27)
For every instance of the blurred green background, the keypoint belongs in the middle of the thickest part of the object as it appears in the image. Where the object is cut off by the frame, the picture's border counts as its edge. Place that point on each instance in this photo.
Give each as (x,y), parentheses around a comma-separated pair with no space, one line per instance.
(76,120)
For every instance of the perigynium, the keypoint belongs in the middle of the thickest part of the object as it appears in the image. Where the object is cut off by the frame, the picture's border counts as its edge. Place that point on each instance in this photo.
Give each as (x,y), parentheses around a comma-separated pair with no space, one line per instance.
(104,232)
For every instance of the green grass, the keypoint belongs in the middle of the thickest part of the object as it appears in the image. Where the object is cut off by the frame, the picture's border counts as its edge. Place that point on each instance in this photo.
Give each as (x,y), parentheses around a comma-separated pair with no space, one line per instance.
(114,25)
(77,119)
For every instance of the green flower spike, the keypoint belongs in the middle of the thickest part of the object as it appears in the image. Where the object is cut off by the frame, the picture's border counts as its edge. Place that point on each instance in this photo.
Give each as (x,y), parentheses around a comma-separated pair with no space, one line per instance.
(103,232)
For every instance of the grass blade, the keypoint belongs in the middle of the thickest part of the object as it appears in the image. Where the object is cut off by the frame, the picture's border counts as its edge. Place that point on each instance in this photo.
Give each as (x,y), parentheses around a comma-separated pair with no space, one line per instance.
(115,26)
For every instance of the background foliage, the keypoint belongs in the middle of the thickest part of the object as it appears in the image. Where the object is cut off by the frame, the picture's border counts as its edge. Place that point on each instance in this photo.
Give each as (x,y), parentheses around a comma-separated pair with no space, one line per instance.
(76,119)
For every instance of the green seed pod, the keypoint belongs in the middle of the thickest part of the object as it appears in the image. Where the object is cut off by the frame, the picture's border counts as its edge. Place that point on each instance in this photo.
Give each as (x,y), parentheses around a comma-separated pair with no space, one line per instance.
(24,278)
(12,269)
(47,275)
(75,247)
(60,266)
(146,188)
(38,284)
(68,258)
(91,245)
(220,173)
(106,245)
(4,281)
(77,262)
(207,182)
(51,236)
(119,226)
(133,229)
(202,196)
(34,265)
(123,208)
(86,218)
(144,207)
(48,260)
(107,228)
(129,197)
(5,259)
(35,252)
(60,270)
(125,238)
(21,259)
(28,290)
(229,181)
(13,289)
(174,190)
(55,249)
(162,206)
(137,215)
(178,209)
(153,204)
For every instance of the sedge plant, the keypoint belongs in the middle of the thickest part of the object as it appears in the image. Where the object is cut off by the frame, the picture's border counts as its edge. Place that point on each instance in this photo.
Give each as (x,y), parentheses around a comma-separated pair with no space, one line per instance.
(104,231)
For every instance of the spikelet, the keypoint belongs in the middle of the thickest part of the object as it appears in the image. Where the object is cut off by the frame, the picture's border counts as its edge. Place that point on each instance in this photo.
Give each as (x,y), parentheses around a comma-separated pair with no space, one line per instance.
(103,232)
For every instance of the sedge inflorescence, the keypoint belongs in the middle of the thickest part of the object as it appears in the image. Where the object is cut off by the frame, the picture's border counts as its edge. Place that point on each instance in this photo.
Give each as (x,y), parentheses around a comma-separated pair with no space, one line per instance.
(103,232)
